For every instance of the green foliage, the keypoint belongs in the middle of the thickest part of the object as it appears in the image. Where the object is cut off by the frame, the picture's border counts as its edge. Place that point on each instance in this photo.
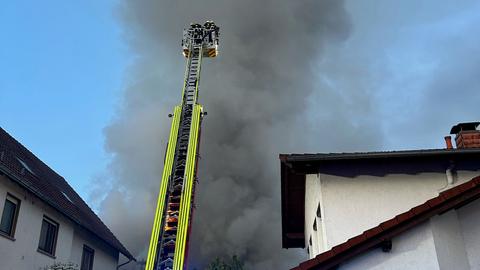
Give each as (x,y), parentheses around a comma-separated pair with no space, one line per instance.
(61,266)
(233,264)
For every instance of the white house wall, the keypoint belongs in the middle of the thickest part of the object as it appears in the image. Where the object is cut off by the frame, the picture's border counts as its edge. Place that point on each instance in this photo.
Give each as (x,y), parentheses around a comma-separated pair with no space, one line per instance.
(449,243)
(22,252)
(445,242)
(469,217)
(313,198)
(105,257)
(353,205)
(414,249)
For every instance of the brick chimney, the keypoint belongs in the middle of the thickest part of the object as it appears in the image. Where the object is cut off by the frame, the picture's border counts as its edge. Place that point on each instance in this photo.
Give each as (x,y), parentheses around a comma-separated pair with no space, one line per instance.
(467,135)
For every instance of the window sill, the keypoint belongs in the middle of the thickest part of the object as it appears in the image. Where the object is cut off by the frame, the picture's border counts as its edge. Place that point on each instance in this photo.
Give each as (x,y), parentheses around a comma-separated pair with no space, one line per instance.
(7,236)
(46,253)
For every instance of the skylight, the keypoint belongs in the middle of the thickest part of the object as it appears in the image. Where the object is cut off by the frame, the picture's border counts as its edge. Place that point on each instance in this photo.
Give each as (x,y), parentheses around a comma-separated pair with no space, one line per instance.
(66,196)
(25,166)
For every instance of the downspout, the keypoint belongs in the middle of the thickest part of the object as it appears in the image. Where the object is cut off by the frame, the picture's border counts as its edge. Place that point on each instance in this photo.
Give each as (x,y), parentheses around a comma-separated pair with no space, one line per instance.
(449,176)
(450,173)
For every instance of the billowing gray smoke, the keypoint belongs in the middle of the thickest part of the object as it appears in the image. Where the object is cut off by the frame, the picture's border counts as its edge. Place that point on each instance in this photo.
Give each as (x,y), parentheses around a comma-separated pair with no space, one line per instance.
(264,94)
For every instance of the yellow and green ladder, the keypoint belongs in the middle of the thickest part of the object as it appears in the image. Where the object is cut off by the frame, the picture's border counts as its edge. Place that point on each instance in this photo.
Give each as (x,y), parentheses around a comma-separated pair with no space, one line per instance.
(171,225)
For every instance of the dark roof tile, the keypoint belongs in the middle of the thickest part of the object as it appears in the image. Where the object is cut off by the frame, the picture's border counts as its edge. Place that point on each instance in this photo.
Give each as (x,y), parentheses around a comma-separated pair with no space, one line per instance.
(308,264)
(435,201)
(326,255)
(422,208)
(388,224)
(466,186)
(404,216)
(340,248)
(453,192)
(372,232)
(356,240)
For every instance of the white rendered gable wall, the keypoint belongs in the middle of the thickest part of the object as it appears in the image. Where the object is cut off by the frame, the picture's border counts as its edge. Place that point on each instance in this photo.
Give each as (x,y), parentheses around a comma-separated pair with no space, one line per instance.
(447,241)
(412,250)
(313,200)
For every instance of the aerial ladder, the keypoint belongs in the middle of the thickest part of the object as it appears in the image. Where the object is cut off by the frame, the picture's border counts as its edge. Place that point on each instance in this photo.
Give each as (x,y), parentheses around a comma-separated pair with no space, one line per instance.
(168,247)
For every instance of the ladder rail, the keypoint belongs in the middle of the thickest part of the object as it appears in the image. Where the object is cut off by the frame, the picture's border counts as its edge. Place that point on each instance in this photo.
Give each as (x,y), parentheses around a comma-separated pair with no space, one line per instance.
(169,239)
(166,253)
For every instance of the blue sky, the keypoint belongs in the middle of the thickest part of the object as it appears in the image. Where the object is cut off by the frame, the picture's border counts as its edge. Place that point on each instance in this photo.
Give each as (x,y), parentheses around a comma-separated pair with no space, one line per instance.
(62,66)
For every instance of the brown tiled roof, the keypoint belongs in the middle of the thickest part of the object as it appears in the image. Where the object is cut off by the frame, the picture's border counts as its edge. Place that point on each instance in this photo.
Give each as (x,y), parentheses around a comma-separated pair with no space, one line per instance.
(455,197)
(24,168)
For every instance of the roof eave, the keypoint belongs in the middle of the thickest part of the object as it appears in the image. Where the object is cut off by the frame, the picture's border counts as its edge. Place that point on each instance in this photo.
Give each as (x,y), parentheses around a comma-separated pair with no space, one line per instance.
(293,158)
(292,236)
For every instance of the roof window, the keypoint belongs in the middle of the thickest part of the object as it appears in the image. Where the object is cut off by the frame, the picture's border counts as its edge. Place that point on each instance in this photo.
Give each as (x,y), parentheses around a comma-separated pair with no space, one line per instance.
(25,166)
(66,197)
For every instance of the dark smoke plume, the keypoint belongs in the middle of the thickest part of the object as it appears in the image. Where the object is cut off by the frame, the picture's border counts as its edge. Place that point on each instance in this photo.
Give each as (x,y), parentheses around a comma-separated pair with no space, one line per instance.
(264,94)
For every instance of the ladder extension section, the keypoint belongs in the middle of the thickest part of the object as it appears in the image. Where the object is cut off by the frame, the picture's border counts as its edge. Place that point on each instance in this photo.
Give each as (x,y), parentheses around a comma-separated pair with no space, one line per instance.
(169,238)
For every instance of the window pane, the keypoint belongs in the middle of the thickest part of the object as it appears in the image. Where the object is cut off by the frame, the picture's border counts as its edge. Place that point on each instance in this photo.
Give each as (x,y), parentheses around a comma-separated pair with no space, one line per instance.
(43,236)
(87,258)
(48,236)
(8,217)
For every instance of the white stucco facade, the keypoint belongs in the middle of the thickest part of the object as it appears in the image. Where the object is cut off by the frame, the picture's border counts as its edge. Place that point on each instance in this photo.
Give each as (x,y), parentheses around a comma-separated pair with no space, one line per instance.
(21,252)
(351,205)
(447,241)
(415,249)
(469,218)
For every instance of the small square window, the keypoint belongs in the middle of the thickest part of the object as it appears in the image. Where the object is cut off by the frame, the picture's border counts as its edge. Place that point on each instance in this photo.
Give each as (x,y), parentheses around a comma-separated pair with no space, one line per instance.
(9,216)
(48,236)
(87,258)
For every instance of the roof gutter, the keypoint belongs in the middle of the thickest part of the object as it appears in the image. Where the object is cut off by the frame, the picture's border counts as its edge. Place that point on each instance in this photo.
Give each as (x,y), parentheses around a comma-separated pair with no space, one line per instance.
(125,263)
(376,155)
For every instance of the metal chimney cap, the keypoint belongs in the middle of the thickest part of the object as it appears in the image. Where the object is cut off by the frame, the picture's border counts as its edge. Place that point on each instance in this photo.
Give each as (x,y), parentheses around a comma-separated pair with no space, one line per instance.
(464,126)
